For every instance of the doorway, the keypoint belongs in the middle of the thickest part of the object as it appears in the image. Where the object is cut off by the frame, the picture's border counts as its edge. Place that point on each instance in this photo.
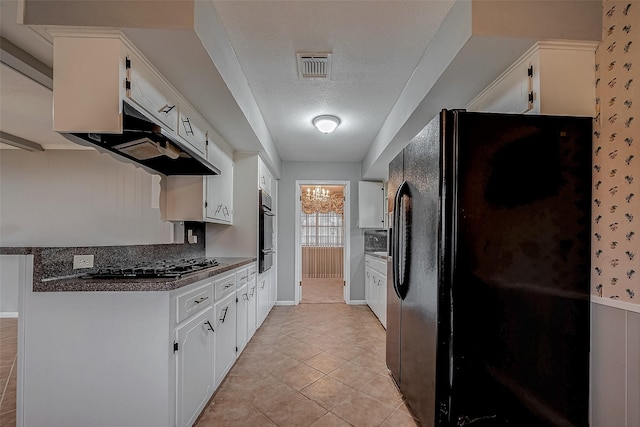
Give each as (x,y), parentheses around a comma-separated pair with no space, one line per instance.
(321,242)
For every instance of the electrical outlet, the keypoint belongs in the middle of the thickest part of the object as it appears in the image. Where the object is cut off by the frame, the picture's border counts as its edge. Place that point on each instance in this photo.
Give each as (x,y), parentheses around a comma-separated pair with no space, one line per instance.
(82,261)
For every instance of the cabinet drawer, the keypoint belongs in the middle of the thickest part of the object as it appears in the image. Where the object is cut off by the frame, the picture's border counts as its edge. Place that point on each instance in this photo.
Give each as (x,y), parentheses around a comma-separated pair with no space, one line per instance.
(252,272)
(225,286)
(242,277)
(194,301)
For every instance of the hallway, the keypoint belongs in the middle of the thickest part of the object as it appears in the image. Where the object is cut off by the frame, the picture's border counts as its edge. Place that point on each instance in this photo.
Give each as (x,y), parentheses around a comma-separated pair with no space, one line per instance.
(322,291)
(311,365)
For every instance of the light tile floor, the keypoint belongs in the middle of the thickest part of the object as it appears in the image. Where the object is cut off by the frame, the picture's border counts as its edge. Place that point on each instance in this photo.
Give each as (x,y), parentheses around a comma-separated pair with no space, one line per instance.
(311,365)
(8,371)
(318,291)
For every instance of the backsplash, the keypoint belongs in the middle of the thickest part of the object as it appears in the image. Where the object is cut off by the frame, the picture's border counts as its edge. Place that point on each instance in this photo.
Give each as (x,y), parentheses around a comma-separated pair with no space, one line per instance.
(616,161)
(57,262)
(375,240)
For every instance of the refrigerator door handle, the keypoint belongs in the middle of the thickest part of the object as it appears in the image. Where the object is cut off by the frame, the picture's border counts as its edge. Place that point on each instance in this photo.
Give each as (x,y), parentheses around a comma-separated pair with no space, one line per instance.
(401,239)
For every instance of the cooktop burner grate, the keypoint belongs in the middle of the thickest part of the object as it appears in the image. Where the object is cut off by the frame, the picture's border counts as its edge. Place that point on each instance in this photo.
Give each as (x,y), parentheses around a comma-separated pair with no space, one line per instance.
(157,269)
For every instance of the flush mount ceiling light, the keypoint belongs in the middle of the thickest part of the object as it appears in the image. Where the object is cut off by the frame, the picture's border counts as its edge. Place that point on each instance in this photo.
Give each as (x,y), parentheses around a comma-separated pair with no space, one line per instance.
(326,124)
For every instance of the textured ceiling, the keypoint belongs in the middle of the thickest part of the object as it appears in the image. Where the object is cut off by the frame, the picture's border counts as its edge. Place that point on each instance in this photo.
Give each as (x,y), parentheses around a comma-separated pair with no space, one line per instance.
(376,46)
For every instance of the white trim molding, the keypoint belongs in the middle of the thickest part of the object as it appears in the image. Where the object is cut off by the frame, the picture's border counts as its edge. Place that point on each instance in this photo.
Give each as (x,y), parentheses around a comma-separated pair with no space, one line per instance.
(285,303)
(622,305)
(8,314)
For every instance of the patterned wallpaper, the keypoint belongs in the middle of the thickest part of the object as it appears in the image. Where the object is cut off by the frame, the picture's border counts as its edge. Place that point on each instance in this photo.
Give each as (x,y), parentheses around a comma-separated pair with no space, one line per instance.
(616,142)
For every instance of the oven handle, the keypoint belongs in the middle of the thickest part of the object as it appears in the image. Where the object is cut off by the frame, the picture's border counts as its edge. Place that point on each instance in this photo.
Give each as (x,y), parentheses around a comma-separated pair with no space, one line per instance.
(268,251)
(267,213)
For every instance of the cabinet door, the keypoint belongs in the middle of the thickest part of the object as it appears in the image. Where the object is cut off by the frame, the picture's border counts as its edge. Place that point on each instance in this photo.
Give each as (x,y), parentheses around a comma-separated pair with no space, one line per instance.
(151,93)
(252,309)
(194,367)
(263,297)
(382,299)
(242,307)
(510,92)
(370,204)
(367,285)
(225,339)
(220,187)
(264,177)
(192,129)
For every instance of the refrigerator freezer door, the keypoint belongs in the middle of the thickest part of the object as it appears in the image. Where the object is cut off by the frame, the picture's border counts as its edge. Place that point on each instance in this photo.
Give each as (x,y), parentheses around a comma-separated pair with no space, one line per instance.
(419,321)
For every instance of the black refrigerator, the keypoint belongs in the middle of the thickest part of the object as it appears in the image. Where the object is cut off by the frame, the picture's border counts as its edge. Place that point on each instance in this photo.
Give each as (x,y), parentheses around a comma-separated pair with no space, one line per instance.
(488,273)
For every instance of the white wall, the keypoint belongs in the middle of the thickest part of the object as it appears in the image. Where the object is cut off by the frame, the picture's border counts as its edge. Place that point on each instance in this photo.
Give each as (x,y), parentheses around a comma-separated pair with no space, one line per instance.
(77,198)
(292,171)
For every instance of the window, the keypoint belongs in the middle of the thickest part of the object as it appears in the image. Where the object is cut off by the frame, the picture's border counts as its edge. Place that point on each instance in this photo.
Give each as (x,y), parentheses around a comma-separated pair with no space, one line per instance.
(322,229)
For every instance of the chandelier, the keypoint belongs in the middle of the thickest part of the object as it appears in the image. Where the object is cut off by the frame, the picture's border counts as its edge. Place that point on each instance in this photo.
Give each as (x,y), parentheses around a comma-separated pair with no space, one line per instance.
(320,199)
(317,195)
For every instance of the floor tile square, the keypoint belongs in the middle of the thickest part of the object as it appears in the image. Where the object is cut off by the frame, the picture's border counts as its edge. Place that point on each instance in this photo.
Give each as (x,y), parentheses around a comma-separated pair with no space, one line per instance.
(296,411)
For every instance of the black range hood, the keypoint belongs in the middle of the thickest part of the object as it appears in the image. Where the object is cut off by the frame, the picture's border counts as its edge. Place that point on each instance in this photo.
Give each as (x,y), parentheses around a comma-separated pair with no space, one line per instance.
(147,143)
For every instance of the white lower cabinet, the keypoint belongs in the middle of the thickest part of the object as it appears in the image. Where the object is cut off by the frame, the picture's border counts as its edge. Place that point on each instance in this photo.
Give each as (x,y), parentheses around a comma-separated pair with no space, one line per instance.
(252,306)
(194,367)
(264,290)
(242,307)
(375,287)
(225,351)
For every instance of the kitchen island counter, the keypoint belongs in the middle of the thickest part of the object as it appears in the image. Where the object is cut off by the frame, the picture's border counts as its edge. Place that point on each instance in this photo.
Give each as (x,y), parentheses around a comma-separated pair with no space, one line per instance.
(79,284)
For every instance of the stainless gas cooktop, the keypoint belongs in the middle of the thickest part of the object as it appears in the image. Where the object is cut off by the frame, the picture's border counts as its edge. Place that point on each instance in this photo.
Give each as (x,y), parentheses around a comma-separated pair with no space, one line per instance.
(157,269)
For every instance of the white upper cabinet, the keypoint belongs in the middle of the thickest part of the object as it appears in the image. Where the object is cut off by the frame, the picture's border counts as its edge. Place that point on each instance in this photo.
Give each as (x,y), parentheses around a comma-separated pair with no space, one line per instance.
(556,78)
(148,90)
(95,73)
(219,206)
(370,204)
(265,179)
(193,130)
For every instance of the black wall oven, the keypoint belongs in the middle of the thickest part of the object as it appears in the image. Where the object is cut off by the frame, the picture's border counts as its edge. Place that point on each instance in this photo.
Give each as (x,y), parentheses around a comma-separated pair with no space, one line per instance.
(265,232)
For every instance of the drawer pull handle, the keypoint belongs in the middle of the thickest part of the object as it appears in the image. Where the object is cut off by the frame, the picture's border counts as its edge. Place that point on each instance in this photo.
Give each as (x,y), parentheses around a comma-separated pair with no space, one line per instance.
(243,278)
(228,285)
(245,296)
(253,290)
(210,326)
(166,108)
(198,301)
(262,285)
(224,315)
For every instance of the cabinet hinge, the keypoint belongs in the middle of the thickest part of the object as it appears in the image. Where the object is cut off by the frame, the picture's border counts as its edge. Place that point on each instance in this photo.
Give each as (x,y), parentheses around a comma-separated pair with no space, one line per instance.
(530,71)
(127,84)
(530,96)
(236,303)
(175,346)
(206,204)
(344,283)
(236,349)
(127,63)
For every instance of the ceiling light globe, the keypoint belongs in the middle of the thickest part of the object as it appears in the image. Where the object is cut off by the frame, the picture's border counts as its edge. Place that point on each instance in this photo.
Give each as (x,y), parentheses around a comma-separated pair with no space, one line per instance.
(326,124)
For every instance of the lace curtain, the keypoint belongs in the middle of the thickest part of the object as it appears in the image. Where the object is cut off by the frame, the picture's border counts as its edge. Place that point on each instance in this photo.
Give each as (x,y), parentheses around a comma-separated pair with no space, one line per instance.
(335,203)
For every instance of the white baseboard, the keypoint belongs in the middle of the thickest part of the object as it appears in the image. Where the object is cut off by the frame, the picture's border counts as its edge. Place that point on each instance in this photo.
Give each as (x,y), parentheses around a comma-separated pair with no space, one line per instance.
(285,303)
(8,314)
(357,302)
(623,305)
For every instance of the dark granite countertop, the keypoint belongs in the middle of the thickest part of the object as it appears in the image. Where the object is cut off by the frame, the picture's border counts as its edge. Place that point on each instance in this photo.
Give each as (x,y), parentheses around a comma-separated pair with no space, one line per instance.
(76,284)
(377,254)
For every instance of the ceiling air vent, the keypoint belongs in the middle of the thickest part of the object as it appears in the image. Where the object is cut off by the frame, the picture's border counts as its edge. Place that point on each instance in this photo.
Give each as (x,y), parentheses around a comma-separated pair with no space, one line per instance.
(314,65)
